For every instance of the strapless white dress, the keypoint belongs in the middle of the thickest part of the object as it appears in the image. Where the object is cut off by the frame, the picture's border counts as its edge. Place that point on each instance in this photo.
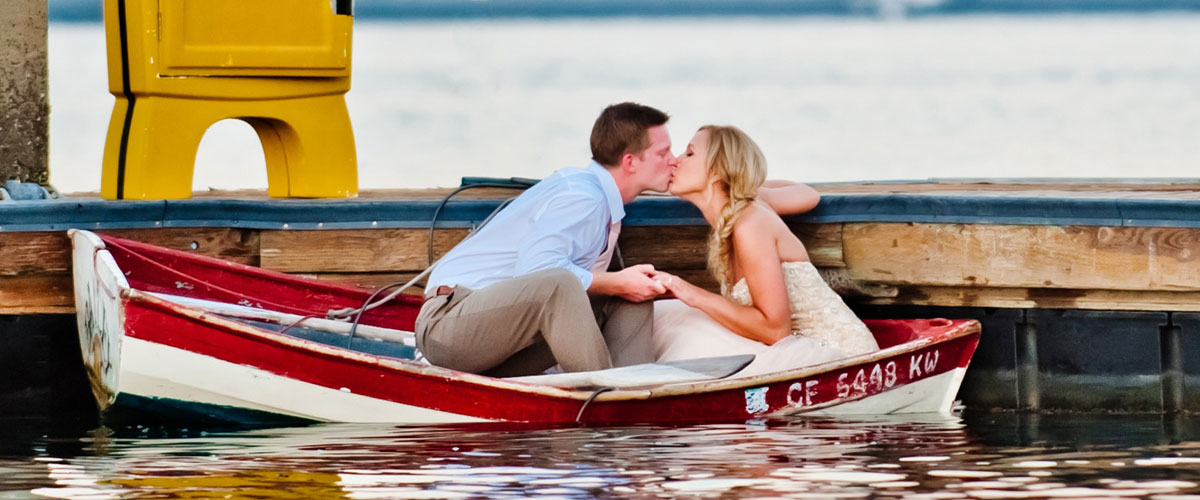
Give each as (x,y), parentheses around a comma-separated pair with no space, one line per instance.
(823,328)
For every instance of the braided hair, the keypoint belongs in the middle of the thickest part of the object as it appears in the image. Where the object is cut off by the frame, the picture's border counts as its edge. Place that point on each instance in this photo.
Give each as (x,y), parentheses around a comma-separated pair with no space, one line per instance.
(740,168)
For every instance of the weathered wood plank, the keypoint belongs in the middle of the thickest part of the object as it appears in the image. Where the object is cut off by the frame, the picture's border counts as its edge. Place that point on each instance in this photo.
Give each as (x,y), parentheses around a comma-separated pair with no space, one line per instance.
(354,250)
(233,244)
(1041,298)
(46,293)
(665,247)
(34,252)
(686,247)
(369,281)
(699,277)
(1083,257)
(52,294)
(50,251)
(402,250)
(823,242)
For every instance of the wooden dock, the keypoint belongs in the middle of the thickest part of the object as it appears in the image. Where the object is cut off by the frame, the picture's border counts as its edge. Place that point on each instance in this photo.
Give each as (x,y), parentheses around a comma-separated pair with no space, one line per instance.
(1089,291)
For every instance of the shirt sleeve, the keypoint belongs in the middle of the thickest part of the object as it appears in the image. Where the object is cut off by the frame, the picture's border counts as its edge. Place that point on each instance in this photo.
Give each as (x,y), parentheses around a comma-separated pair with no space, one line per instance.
(568,233)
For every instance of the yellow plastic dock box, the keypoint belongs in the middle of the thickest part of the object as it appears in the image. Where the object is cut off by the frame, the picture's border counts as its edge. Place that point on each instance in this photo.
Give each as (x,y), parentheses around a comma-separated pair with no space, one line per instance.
(178,66)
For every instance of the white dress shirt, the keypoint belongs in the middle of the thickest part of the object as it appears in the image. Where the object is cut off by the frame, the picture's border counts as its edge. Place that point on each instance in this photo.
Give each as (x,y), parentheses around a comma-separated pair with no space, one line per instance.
(564,221)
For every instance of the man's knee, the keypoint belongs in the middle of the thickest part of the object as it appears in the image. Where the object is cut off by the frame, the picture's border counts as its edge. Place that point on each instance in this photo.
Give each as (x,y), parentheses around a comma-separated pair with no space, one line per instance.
(559,280)
(556,275)
(635,314)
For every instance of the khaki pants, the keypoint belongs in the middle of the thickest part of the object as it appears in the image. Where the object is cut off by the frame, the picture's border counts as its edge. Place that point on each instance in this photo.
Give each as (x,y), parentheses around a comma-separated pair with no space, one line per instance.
(525,325)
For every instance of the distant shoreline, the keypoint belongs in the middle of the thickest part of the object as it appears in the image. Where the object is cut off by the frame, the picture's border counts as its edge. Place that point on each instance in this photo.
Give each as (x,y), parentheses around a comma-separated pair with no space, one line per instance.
(90,10)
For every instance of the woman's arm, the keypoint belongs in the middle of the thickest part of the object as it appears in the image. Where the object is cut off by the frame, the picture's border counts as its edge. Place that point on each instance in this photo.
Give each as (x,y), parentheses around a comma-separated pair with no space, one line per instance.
(769,319)
(787,197)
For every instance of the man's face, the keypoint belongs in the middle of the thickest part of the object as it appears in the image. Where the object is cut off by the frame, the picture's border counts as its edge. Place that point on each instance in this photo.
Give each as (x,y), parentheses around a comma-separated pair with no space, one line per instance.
(653,169)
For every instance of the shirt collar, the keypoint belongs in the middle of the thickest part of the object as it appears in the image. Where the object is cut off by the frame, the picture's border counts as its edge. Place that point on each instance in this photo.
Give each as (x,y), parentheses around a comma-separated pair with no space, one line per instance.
(612,195)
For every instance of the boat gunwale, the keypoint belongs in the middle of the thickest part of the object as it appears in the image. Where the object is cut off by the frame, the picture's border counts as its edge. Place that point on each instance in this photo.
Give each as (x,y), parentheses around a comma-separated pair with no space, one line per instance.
(957,329)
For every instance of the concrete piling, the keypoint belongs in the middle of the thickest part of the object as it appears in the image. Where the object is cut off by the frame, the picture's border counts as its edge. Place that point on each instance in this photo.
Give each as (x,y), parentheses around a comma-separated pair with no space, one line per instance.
(24,100)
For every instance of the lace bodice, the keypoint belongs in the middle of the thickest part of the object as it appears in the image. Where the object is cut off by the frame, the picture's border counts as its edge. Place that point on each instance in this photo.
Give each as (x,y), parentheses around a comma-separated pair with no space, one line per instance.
(817,311)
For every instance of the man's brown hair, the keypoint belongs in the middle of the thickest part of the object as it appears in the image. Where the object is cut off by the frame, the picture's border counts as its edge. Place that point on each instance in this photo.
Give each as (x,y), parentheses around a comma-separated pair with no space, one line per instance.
(621,129)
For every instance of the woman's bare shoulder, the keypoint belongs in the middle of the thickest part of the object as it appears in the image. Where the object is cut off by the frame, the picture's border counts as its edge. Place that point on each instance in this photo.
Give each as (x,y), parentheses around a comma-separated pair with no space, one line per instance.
(758,219)
(761,213)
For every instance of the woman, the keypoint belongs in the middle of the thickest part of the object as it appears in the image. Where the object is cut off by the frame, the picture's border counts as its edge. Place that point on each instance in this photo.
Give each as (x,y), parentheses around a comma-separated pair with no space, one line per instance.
(775,304)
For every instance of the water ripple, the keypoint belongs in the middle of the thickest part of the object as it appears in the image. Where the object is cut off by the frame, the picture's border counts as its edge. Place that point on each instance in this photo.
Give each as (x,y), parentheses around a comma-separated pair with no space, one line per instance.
(926,458)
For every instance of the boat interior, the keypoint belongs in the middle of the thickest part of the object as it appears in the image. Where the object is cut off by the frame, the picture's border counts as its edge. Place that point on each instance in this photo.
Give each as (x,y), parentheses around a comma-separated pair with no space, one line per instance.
(396,344)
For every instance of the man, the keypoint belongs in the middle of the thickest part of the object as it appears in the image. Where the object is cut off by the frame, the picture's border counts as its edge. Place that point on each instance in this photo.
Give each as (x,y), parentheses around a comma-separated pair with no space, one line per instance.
(531,289)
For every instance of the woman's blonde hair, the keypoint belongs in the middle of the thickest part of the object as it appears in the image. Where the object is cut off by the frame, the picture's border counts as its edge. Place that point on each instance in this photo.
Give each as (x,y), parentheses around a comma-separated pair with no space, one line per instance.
(740,168)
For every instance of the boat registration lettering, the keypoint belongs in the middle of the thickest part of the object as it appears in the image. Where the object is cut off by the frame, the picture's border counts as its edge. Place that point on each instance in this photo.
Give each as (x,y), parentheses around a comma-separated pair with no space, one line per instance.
(801,393)
(922,363)
(879,377)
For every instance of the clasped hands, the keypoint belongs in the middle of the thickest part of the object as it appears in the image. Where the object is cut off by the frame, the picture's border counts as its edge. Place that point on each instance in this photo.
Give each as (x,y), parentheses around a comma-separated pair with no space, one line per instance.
(643,282)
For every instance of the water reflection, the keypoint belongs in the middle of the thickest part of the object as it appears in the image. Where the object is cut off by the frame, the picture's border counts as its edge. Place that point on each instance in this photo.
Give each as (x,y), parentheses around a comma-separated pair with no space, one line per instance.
(987,456)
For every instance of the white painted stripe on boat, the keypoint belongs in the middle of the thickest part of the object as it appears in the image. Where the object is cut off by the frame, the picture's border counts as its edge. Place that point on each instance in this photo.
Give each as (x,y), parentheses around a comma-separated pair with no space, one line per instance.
(931,395)
(202,379)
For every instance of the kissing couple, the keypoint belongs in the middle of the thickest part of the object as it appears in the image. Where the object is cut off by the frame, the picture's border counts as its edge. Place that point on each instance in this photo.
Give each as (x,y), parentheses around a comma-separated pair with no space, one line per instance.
(533,288)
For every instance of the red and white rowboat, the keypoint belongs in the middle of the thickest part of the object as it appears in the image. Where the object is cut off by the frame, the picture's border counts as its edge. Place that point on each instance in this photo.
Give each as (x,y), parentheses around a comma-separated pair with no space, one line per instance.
(191,337)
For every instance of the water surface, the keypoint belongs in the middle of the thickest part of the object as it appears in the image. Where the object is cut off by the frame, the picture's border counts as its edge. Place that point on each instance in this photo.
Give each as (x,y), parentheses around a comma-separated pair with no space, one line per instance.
(975,456)
(827,98)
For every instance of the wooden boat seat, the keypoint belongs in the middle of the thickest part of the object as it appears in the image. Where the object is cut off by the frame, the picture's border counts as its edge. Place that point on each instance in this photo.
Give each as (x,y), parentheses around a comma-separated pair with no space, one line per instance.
(367,345)
(648,374)
(334,332)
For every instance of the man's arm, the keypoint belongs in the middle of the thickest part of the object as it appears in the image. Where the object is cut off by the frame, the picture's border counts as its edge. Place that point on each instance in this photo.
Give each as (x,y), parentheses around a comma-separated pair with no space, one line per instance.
(787,197)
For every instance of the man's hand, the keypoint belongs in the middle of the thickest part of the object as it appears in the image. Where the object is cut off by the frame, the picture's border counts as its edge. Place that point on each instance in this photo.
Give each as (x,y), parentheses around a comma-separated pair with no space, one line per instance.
(635,283)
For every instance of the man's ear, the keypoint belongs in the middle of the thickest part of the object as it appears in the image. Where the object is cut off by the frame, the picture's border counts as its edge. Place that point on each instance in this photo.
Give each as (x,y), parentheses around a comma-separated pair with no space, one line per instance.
(627,163)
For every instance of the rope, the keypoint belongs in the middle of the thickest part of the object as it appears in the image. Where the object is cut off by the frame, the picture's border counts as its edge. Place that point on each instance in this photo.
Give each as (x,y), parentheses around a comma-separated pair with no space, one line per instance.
(297,322)
(602,390)
(344,314)
(358,316)
(514,183)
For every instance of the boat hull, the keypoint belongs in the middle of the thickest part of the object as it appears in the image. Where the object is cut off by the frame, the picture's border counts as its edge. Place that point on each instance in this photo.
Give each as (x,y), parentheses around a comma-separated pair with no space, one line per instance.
(179,356)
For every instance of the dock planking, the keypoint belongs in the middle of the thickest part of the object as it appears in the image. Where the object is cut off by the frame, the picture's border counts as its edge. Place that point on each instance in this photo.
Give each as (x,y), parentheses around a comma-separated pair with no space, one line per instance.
(354,250)
(36,252)
(1079,257)
(925,261)
(39,293)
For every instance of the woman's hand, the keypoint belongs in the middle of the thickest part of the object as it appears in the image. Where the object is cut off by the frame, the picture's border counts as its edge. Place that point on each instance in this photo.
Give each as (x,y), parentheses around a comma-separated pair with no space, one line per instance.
(686,292)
